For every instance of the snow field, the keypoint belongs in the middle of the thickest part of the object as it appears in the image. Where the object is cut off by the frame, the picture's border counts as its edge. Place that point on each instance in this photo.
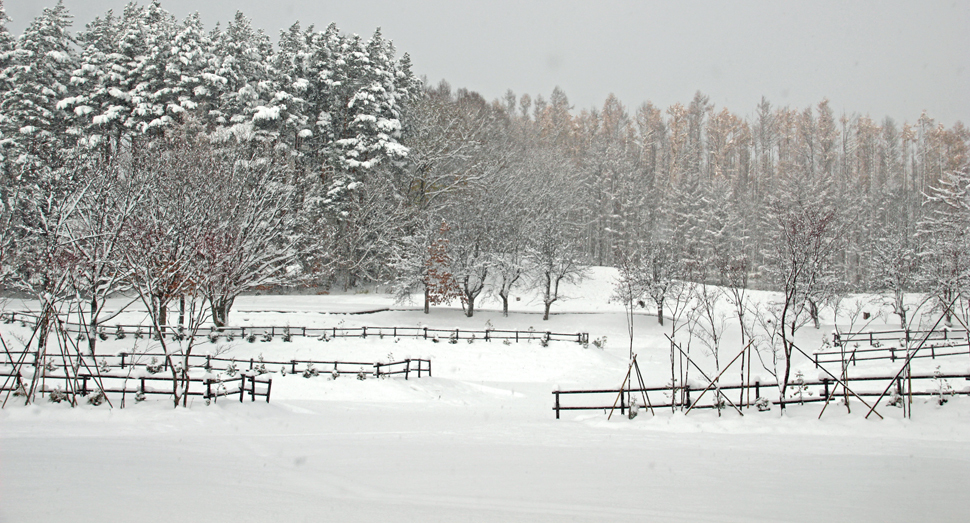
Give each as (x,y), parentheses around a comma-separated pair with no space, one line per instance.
(479,440)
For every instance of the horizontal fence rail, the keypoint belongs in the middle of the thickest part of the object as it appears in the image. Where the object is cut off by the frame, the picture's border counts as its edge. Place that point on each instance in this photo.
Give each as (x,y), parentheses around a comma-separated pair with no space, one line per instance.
(324,333)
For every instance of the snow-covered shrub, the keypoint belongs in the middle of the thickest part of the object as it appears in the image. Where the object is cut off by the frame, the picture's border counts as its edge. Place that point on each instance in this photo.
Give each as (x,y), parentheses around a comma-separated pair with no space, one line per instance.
(361,375)
(334,374)
(260,367)
(763,404)
(506,342)
(471,340)
(231,369)
(102,334)
(600,343)
(434,339)
(213,336)
(895,399)
(120,333)
(634,409)
(267,336)
(57,396)
(96,399)
(800,387)
(287,337)
(139,334)
(139,397)
(943,387)
(154,367)
(103,366)
(453,338)
(251,337)
(310,371)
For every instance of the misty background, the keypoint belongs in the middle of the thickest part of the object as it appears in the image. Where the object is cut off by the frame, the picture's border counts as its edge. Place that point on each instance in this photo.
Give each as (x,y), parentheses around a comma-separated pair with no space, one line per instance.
(894,58)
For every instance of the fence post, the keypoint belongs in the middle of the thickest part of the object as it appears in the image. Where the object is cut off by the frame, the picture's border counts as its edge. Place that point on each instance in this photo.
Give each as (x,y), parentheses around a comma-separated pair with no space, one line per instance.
(242,387)
(377,370)
(825,383)
(407,368)
(269,387)
(870,337)
(123,360)
(143,385)
(429,368)
(622,401)
(250,364)
(252,392)
(84,387)
(757,390)
(557,403)
(687,389)
(892,353)
(395,332)
(363,332)
(425,333)
(516,336)
(486,335)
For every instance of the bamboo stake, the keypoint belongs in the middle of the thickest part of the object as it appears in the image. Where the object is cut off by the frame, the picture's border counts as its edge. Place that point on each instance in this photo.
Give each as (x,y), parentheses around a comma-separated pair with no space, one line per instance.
(690,361)
(840,382)
(711,384)
(621,391)
(909,357)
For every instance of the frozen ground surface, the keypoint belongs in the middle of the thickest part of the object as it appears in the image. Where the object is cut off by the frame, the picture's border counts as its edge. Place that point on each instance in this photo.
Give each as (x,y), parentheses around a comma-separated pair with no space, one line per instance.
(478,442)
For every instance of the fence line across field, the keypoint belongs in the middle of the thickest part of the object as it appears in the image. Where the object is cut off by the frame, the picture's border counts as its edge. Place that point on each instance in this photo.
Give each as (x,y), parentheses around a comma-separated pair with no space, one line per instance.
(123,360)
(937,344)
(828,392)
(326,332)
(213,388)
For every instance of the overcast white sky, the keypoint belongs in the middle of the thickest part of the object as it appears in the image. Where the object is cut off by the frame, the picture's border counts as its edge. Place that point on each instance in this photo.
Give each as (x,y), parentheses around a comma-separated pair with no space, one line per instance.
(887,58)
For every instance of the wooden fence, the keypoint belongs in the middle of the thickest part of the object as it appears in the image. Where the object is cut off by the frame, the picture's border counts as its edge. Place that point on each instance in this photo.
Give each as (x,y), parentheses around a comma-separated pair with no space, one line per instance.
(324,333)
(85,384)
(739,395)
(891,345)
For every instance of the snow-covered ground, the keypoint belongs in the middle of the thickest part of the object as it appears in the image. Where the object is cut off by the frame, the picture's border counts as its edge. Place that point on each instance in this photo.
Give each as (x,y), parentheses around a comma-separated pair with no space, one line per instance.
(478,441)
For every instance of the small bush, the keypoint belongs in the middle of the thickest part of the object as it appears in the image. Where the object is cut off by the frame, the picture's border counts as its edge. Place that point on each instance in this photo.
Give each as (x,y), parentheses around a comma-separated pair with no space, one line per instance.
(57,396)
(96,399)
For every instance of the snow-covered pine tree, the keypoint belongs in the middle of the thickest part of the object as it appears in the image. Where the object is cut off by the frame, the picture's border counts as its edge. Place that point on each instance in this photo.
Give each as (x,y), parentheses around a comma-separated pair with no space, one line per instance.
(38,132)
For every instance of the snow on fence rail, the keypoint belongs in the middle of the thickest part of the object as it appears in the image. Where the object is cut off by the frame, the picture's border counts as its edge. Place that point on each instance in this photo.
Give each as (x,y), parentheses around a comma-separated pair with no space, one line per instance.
(891,345)
(139,386)
(272,331)
(804,391)
(138,373)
